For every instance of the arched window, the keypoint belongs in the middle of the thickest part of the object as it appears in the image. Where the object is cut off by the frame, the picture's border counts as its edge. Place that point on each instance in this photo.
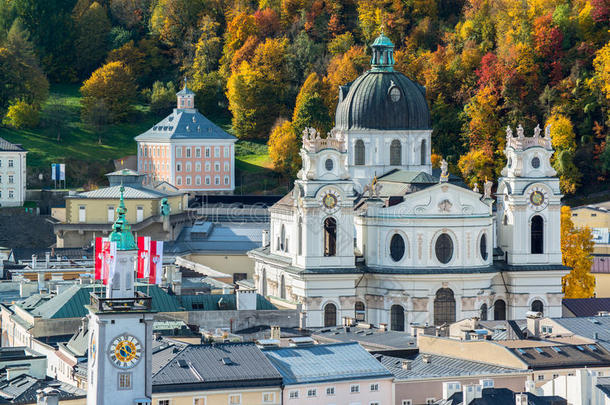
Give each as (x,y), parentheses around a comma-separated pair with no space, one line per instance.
(538,306)
(397,247)
(397,318)
(282,287)
(444,307)
(537,235)
(330,315)
(359,311)
(483,247)
(359,153)
(283,238)
(330,236)
(300,236)
(500,310)
(395,153)
(505,220)
(483,315)
(423,152)
(264,283)
(444,248)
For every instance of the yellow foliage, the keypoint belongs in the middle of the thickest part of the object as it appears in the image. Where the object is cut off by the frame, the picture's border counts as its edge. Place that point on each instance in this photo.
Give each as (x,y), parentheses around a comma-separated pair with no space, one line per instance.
(563,141)
(436,160)
(602,69)
(344,69)
(284,147)
(576,250)
(476,166)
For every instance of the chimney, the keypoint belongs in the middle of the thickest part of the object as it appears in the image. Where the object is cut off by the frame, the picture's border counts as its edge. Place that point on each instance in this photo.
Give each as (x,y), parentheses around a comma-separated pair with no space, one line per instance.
(34,261)
(450,388)
(265,238)
(47,396)
(383,327)
(47,259)
(406,364)
(533,323)
(470,392)
(521,399)
(426,358)
(275,332)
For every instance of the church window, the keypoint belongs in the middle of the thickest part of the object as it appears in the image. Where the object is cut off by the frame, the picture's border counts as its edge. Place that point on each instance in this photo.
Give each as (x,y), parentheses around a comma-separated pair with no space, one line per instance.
(500,310)
(282,287)
(300,236)
(483,314)
(537,235)
(510,162)
(423,152)
(444,248)
(359,311)
(264,283)
(282,238)
(397,247)
(505,220)
(395,153)
(328,164)
(397,318)
(330,237)
(535,163)
(124,381)
(330,315)
(538,306)
(359,153)
(444,307)
(483,247)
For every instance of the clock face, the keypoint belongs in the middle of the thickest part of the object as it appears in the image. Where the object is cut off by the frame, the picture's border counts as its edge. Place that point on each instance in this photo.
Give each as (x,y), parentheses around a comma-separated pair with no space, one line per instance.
(394,94)
(93,348)
(125,351)
(538,199)
(329,201)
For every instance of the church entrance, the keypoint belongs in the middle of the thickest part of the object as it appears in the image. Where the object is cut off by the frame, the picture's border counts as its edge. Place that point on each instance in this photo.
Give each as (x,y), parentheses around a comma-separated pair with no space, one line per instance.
(330,315)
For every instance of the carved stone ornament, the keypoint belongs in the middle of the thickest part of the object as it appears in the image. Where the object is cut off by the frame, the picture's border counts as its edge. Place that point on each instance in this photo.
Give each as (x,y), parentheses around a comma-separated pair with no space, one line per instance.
(445,206)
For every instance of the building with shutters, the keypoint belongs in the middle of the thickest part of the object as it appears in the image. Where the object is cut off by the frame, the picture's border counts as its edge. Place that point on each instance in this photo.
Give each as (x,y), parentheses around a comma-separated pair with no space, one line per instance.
(371,232)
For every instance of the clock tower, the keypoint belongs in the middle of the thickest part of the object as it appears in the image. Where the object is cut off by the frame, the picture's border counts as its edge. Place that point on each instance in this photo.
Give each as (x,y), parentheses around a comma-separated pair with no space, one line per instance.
(120,330)
(529,201)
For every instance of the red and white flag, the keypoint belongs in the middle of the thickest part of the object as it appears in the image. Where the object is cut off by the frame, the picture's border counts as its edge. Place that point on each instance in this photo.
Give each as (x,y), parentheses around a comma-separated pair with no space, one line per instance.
(143,257)
(156,262)
(99,257)
(109,261)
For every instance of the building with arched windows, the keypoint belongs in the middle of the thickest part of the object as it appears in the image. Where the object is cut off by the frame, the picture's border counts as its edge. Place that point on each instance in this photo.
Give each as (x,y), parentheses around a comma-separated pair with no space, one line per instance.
(371,232)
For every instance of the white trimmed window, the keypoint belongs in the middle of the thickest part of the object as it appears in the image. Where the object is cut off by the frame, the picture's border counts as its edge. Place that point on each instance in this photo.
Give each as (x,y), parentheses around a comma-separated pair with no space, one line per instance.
(179,180)
(330,391)
(407,402)
(430,401)
(217,180)
(188,152)
(11,179)
(199,401)
(226,166)
(178,151)
(268,397)
(164,402)
(235,399)
(354,388)
(198,180)
(217,151)
(207,152)
(226,151)
(10,163)
(374,387)
(188,166)
(226,180)
(207,180)
(198,166)
(207,166)
(188,180)
(198,152)
(216,167)
(312,392)
(178,167)
(293,394)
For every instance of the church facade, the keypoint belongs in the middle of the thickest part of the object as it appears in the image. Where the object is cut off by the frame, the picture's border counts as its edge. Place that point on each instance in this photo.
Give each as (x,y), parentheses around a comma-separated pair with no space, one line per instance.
(369,232)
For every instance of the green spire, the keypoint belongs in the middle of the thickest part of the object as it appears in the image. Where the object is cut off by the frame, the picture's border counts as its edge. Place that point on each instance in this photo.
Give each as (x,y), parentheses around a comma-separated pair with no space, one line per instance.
(383,54)
(121,230)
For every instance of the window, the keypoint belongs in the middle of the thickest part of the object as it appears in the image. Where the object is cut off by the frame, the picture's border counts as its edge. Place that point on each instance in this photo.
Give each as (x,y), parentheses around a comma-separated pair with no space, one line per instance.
(354,388)
(188,166)
(300,236)
(537,235)
(374,387)
(359,152)
(483,313)
(11,179)
(268,397)
(235,399)
(397,247)
(124,381)
(188,152)
(217,151)
(10,163)
(500,310)
(139,214)
(535,163)
(283,287)
(216,167)
(178,167)
(226,166)
(397,318)
(407,402)
(179,181)
(538,306)
(179,151)
(444,307)
(82,213)
(198,180)
(163,402)
(0,179)
(110,214)
(330,315)
(430,401)
(226,151)
(395,153)
(330,236)
(483,247)
(188,180)
(555,376)
(293,394)
(374,403)
(207,152)
(198,152)
(359,311)
(198,166)
(540,377)
(311,392)
(444,248)
(199,401)
(207,166)
(423,152)
(226,180)
(207,180)
(330,391)
(217,180)
(328,164)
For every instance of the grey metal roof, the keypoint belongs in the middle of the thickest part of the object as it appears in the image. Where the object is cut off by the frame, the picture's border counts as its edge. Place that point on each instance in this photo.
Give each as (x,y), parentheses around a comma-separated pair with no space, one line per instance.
(372,339)
(225,237)
(22,390)
(332,362)
(217,365)
(502,396)
(603,383)
(590,327)
(6,146)
(563,356)
(114,192)
(365,103)
(586,306)
(438,366)
(184,124)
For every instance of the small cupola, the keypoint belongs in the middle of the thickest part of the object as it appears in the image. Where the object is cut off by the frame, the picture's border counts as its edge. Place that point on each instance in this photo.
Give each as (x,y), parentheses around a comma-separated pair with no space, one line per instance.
(383,54)
(186,98)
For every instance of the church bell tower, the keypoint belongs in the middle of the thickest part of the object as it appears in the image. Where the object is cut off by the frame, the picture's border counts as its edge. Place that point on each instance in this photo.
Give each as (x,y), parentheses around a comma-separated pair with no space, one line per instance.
(120,330)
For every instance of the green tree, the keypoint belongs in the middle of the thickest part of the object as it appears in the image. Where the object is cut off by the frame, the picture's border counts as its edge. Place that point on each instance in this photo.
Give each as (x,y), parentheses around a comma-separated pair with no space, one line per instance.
(22,115)
(209,47)
(114,84)
(91,44)
(563,140)
(97,116)
(310,110)
(55,118)
(163,98)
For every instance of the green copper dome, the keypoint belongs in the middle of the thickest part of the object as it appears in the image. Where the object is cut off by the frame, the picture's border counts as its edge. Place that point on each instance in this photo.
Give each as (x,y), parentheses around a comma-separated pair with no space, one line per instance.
(382,98)
(121,230)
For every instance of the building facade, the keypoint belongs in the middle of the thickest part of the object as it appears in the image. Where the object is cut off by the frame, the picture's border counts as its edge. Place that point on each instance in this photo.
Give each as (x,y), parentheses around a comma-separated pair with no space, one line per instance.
(393,244)
(188,151)
(13,174)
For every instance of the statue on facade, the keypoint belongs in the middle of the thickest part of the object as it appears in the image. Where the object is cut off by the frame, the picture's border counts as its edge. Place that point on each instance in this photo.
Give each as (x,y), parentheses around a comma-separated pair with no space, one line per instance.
(165,208)
(373,189)
(444,171)
(537,131)
(520,133)
(487,188)
(547,132)
(476,187)
(509,132)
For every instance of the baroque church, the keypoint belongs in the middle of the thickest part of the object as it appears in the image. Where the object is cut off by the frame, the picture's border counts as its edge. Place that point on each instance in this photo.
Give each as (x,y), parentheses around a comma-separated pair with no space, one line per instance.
(369,232)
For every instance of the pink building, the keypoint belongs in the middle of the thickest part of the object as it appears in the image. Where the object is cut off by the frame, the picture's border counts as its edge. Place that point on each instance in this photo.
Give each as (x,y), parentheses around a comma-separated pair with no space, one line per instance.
(188,151)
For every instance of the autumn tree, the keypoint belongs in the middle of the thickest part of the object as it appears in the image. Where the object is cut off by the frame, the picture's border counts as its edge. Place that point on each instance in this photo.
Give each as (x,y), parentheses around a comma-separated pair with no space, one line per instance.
(114,84)
(577,251)
(130,13)
(563,140)
(310,110)
(476,166)
(343,69)
(284,146)
(602,69)
(162,98)
(209,47)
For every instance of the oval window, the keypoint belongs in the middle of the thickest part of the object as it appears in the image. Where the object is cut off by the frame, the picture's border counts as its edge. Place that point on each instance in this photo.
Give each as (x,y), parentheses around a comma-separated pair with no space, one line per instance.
(483,247)
(444,248)
(328,164)
(535,163)
(397,247)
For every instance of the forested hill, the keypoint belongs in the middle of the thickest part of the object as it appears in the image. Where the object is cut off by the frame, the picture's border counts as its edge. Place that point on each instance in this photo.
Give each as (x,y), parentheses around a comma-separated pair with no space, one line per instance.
(274,67)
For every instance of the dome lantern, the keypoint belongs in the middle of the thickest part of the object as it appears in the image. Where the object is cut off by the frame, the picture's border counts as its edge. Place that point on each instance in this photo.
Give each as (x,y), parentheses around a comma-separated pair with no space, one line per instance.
(383,54)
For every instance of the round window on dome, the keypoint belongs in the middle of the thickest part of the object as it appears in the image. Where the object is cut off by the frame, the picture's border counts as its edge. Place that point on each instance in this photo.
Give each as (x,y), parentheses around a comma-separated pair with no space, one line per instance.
(397,247)
(329,164)
(535,163)
(394,94)
(444,248)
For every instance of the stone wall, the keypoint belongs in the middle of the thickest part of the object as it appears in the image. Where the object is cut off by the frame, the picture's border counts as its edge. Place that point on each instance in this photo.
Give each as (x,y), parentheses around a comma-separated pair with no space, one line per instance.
(236,320)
